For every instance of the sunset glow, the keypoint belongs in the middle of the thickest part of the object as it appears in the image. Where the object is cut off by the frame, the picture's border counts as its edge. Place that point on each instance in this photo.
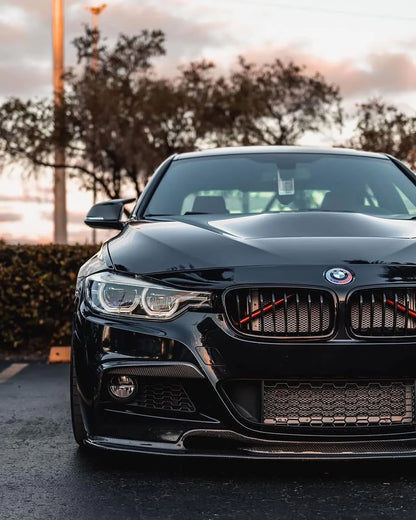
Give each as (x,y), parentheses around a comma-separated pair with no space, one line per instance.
(367,48)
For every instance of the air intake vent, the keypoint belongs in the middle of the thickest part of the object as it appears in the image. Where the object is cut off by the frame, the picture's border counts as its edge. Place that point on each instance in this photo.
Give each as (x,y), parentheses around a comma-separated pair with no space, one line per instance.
(338,404)
(383,312)
(281,313)
(164,396)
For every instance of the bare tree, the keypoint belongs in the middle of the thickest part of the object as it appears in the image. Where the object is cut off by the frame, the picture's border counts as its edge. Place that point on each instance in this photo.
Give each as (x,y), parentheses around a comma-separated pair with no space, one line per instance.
(382,127)
(273,104)
(121,119)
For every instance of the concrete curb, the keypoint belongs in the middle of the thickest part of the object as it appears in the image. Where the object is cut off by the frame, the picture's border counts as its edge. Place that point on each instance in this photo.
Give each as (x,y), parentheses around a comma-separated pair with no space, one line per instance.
(59,355)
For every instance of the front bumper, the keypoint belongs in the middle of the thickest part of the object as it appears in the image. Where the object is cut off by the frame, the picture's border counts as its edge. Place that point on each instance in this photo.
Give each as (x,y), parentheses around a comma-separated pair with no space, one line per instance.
(200,353)
(226,443)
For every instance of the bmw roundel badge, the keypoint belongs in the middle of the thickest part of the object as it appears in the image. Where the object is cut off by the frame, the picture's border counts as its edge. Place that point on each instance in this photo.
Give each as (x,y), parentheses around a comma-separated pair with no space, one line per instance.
(339,275)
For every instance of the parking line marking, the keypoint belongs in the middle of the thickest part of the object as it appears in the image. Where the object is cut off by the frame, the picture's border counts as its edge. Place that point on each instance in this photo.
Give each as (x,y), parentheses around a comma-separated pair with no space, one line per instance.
(11,371)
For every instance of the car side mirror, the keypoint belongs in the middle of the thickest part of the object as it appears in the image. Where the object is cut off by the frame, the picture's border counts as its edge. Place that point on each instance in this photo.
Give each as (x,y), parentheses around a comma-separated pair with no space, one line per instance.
(107,215)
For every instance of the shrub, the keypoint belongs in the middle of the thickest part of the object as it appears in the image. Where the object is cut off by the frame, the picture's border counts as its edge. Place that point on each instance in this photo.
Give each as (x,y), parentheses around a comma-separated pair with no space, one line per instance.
(37,285)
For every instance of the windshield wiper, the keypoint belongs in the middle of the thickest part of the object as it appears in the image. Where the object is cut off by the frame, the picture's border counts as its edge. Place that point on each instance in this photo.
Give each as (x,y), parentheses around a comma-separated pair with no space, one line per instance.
(158,215)
(198,213)
(150,215)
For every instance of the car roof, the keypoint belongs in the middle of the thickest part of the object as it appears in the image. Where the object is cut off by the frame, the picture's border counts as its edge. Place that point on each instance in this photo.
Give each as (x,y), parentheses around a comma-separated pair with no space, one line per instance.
(238,150)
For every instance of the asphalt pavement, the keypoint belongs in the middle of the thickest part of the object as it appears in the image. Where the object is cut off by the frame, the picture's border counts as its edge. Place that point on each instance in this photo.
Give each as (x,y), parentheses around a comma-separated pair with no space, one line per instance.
(43,475)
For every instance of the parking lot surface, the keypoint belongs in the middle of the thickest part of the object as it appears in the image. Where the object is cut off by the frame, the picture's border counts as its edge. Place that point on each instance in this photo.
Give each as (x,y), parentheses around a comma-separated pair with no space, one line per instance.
(44,475)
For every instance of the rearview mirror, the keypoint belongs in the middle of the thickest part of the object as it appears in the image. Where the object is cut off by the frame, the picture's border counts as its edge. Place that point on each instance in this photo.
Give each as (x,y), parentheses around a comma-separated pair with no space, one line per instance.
(107,215)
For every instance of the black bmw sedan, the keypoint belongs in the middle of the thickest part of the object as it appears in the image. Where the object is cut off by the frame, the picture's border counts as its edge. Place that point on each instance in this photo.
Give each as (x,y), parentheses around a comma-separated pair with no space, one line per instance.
(259,302)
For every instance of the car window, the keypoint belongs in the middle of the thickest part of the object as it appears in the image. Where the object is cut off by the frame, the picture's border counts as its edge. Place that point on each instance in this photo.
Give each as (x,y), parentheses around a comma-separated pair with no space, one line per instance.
(263,183)
(410,206)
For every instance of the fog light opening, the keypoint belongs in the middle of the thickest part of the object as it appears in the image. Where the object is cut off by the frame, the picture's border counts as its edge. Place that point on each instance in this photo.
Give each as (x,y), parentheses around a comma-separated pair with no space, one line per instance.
(122,387)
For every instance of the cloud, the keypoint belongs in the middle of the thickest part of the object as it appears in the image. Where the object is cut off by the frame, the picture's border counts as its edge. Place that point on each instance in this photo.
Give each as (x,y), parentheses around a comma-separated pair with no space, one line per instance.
(380,73)
(26,198)
(9,217)
(73,217)
(30,79)
(389,72)
(191,32)
(186,35)
(26,40)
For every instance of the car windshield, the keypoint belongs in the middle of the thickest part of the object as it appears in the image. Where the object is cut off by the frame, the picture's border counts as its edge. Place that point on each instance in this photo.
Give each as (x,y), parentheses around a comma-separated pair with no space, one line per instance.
(267,183)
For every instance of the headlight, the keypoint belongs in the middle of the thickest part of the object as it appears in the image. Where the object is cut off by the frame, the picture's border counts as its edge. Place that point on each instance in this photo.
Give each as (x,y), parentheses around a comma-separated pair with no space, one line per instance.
(120,295)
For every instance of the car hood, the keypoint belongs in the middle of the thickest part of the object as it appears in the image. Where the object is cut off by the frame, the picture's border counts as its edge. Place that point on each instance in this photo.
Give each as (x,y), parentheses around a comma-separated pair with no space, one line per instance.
(282,239)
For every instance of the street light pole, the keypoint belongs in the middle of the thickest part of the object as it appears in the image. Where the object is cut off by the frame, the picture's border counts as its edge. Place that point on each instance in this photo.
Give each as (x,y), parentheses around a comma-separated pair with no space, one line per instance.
(95,11)
(59,214)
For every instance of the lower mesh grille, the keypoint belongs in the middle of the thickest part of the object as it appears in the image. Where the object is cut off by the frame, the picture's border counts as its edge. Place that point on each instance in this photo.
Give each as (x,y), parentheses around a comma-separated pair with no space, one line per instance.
(338,404)
(164,396)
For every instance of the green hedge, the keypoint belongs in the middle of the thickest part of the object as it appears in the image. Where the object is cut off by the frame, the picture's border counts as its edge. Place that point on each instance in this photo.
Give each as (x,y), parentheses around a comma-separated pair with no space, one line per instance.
(37,285)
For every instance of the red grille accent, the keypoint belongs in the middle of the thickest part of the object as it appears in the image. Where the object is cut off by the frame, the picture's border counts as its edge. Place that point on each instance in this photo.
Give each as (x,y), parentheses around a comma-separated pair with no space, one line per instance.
(383,312)
(280,312)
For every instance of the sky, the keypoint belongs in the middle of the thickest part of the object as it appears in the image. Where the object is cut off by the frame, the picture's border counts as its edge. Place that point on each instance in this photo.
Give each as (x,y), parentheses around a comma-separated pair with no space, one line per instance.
(367,47)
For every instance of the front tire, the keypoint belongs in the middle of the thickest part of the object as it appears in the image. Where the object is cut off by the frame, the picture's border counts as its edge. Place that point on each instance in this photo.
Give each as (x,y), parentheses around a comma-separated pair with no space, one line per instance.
(77,423)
